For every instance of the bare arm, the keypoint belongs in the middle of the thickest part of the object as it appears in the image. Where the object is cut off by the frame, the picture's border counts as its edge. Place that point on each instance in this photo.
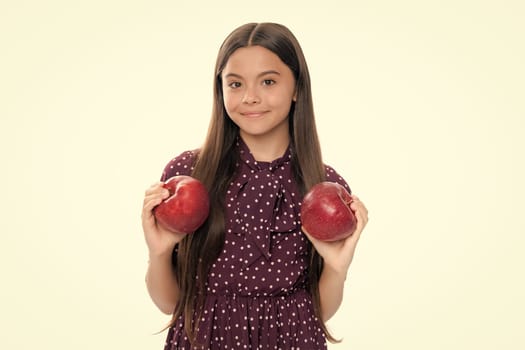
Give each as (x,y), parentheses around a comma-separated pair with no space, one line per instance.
(161,283)
(160,278)
(331,287)
(337,257)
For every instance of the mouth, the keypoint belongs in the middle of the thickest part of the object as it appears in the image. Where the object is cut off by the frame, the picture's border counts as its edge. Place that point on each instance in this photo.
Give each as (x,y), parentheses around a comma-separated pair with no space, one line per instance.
(253,114)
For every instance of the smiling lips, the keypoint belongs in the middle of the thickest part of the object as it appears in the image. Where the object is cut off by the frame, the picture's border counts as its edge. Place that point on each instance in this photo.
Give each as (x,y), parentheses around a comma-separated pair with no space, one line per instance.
(253,114)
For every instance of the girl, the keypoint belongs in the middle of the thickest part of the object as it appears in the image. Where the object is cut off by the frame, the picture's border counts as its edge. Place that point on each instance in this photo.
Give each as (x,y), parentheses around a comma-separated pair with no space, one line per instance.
(250,277)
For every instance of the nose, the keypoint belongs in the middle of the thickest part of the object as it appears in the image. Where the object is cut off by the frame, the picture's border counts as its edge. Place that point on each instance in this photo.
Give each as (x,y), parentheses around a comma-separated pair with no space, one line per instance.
(250,96)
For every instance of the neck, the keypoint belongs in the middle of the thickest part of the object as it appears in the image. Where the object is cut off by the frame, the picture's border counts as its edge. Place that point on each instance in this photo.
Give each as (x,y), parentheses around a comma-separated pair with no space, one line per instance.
(266,148)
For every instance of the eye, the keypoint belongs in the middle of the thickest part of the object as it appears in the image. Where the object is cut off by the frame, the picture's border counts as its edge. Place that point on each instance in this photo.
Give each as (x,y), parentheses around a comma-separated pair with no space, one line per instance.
(234,85)
(268,82)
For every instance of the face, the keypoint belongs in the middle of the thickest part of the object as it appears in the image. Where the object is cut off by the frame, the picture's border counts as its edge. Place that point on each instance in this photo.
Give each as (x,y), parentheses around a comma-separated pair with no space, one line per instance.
(258,91)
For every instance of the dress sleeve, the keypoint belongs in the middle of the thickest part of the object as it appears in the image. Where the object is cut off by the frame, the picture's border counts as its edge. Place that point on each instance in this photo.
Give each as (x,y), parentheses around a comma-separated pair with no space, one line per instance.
(333,176)
(180,165)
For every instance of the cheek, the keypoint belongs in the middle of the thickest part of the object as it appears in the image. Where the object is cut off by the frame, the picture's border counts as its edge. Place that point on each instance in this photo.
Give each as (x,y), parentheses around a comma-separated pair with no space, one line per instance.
(280,101)
(230,102)
(281,98)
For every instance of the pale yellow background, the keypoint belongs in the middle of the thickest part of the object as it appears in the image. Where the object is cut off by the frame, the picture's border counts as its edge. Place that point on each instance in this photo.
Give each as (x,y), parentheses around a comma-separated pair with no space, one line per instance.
(419,105)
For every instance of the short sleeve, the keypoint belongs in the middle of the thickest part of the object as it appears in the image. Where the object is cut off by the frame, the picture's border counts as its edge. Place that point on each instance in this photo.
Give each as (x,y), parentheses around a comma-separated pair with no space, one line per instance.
(180,165)
(333,176)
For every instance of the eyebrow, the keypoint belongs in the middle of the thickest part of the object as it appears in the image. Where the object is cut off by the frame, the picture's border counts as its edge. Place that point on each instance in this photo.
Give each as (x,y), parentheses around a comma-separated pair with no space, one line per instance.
(266,72)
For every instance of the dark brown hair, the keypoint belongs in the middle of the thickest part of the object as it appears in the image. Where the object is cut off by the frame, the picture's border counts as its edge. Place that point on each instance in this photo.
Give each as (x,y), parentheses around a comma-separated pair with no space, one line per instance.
(215,167)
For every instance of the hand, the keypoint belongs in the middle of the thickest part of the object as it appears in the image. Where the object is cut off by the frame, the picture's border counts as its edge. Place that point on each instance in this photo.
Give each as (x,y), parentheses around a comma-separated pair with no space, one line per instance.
(338,255)
(160,241)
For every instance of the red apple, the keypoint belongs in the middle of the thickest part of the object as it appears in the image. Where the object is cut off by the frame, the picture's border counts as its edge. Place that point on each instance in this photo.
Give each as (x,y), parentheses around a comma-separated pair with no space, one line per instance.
(326,213)
(187,207)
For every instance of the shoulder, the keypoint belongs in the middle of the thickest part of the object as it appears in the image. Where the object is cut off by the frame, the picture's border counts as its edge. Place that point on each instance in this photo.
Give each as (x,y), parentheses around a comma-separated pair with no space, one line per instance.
(182,164)
(333,176)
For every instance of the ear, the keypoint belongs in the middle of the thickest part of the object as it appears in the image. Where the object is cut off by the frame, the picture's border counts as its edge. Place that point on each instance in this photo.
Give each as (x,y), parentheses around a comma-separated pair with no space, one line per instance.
(294,98)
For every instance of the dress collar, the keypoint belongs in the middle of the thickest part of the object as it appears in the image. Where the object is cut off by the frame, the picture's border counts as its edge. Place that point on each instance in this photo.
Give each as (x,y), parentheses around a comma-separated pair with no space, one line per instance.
(246,156)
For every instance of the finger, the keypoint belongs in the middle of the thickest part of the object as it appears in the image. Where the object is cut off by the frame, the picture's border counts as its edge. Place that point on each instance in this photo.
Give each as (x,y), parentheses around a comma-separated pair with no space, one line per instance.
(362,220)
(356,201)
(147,211)
(160,193)
(154,185)
(151,202)
(358,206)
(154,188)
(361,211)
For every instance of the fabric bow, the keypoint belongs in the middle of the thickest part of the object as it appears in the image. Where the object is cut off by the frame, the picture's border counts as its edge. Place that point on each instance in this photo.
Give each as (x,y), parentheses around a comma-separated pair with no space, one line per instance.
(264,203)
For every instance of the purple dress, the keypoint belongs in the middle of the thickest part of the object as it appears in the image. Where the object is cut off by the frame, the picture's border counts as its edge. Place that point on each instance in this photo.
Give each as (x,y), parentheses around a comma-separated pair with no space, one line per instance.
(256,294)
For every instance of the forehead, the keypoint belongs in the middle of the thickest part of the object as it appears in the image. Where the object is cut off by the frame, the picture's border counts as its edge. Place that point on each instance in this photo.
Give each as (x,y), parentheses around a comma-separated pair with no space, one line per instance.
(253,59)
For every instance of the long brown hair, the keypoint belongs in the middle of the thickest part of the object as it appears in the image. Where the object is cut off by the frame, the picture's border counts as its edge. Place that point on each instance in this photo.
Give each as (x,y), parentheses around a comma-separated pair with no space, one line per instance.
(215,167)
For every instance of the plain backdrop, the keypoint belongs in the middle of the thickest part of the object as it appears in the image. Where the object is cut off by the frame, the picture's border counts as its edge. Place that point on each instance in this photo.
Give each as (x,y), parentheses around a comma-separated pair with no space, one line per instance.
(419,104)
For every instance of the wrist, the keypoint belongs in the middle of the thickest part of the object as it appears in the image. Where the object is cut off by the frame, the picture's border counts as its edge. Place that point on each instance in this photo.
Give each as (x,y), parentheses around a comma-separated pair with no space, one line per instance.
(337,271)
(160,256)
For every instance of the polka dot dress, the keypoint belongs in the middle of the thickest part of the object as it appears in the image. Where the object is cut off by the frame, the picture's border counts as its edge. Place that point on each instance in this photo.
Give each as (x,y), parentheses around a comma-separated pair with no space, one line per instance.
(256,295)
